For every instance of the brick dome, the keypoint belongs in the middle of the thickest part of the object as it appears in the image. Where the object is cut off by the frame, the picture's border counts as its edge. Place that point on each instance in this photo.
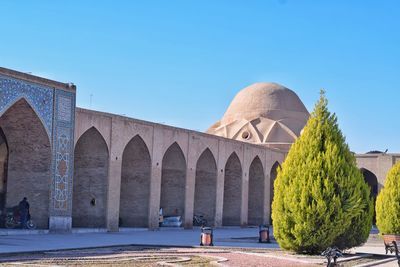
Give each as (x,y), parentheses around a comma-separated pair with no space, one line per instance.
(263,113)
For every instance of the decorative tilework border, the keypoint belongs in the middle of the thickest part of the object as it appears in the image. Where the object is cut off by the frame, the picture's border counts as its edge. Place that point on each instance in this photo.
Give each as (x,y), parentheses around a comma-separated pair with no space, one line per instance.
(56,109)
(39,97)
(63,153)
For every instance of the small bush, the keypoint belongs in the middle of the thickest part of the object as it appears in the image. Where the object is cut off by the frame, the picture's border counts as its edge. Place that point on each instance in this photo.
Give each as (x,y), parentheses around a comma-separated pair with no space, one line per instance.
(388,203)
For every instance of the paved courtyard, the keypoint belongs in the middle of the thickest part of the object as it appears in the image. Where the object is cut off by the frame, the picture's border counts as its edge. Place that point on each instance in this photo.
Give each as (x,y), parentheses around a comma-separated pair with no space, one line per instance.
(170,246)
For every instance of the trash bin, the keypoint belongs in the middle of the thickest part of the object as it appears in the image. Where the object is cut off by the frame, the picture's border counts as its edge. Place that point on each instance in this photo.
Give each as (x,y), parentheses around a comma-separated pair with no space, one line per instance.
(263,231)
(206,236)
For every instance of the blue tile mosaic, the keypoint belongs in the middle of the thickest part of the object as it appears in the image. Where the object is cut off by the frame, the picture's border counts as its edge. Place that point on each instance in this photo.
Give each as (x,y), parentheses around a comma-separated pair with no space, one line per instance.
(63,153)
(39,97)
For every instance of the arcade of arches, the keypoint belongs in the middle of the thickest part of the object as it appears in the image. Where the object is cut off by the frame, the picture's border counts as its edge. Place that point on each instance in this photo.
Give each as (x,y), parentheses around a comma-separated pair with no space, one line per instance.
(22,135)
(90,184)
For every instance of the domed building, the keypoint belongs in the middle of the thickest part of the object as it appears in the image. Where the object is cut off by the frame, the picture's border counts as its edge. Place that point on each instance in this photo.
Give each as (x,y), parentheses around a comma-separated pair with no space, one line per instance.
(263,113)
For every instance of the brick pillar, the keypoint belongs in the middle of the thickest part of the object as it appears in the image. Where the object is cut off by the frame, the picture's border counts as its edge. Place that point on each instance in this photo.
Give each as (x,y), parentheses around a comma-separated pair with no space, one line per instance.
(189,196)
(114,179)
(219,202)
(266,211)
(244,208)
(245,196)
(155,182)
(155,194)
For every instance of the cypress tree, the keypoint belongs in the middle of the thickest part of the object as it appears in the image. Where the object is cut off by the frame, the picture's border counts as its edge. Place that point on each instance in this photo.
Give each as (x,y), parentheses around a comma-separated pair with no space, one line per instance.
(321,198)
(388,203)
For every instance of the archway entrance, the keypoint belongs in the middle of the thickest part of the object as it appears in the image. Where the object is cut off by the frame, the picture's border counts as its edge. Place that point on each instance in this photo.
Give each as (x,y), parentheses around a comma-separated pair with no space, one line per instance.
(256,193)
(25,161)
(205,187)
(372,181)
(273,174)
(173,182)
(135,184)
(232,192)
(89,203)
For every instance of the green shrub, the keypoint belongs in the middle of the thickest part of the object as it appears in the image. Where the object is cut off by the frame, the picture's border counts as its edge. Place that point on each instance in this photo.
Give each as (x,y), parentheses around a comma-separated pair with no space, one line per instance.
(388,203)
(321,198)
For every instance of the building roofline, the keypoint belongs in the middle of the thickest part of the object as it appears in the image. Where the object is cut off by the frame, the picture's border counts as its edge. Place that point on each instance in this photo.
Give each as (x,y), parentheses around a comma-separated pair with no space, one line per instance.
(38,80)
(365,155)
(149,123)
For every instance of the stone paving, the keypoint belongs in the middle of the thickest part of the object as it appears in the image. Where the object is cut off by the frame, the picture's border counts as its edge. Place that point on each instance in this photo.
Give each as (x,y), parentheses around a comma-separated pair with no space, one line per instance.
(225,237)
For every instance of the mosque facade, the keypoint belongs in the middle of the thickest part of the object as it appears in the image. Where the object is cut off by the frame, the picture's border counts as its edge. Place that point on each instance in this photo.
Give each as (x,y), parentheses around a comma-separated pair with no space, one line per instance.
(82,168)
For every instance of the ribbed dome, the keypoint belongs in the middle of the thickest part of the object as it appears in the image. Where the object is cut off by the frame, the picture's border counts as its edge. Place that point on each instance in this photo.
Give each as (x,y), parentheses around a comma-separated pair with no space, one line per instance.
(263,100)
(263,113)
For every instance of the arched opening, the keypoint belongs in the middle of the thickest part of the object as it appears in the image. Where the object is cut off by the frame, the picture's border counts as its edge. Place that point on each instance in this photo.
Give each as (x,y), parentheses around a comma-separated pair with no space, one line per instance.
(25,161)
(90,181)
(273,174)
(205,187)
(135,184)
(256,193)
(173,182)
(3,170)
(372,181)
(232,191)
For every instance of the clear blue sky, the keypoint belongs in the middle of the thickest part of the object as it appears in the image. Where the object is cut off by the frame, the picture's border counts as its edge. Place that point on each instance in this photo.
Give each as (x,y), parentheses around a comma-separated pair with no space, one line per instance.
(182,62)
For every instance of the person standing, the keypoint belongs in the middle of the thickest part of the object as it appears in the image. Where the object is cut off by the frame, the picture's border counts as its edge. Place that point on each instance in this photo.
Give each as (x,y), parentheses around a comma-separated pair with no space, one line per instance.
(23,211)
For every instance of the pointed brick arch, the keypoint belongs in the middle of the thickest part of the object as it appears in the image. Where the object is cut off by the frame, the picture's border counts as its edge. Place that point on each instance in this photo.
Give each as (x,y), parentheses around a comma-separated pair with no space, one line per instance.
(273,174)
(90,180)
(173,181)
(29,161)
(84,130)
(135,184)
(256,192)
(232,191)
(46,122)
(372,181)
(205,186)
